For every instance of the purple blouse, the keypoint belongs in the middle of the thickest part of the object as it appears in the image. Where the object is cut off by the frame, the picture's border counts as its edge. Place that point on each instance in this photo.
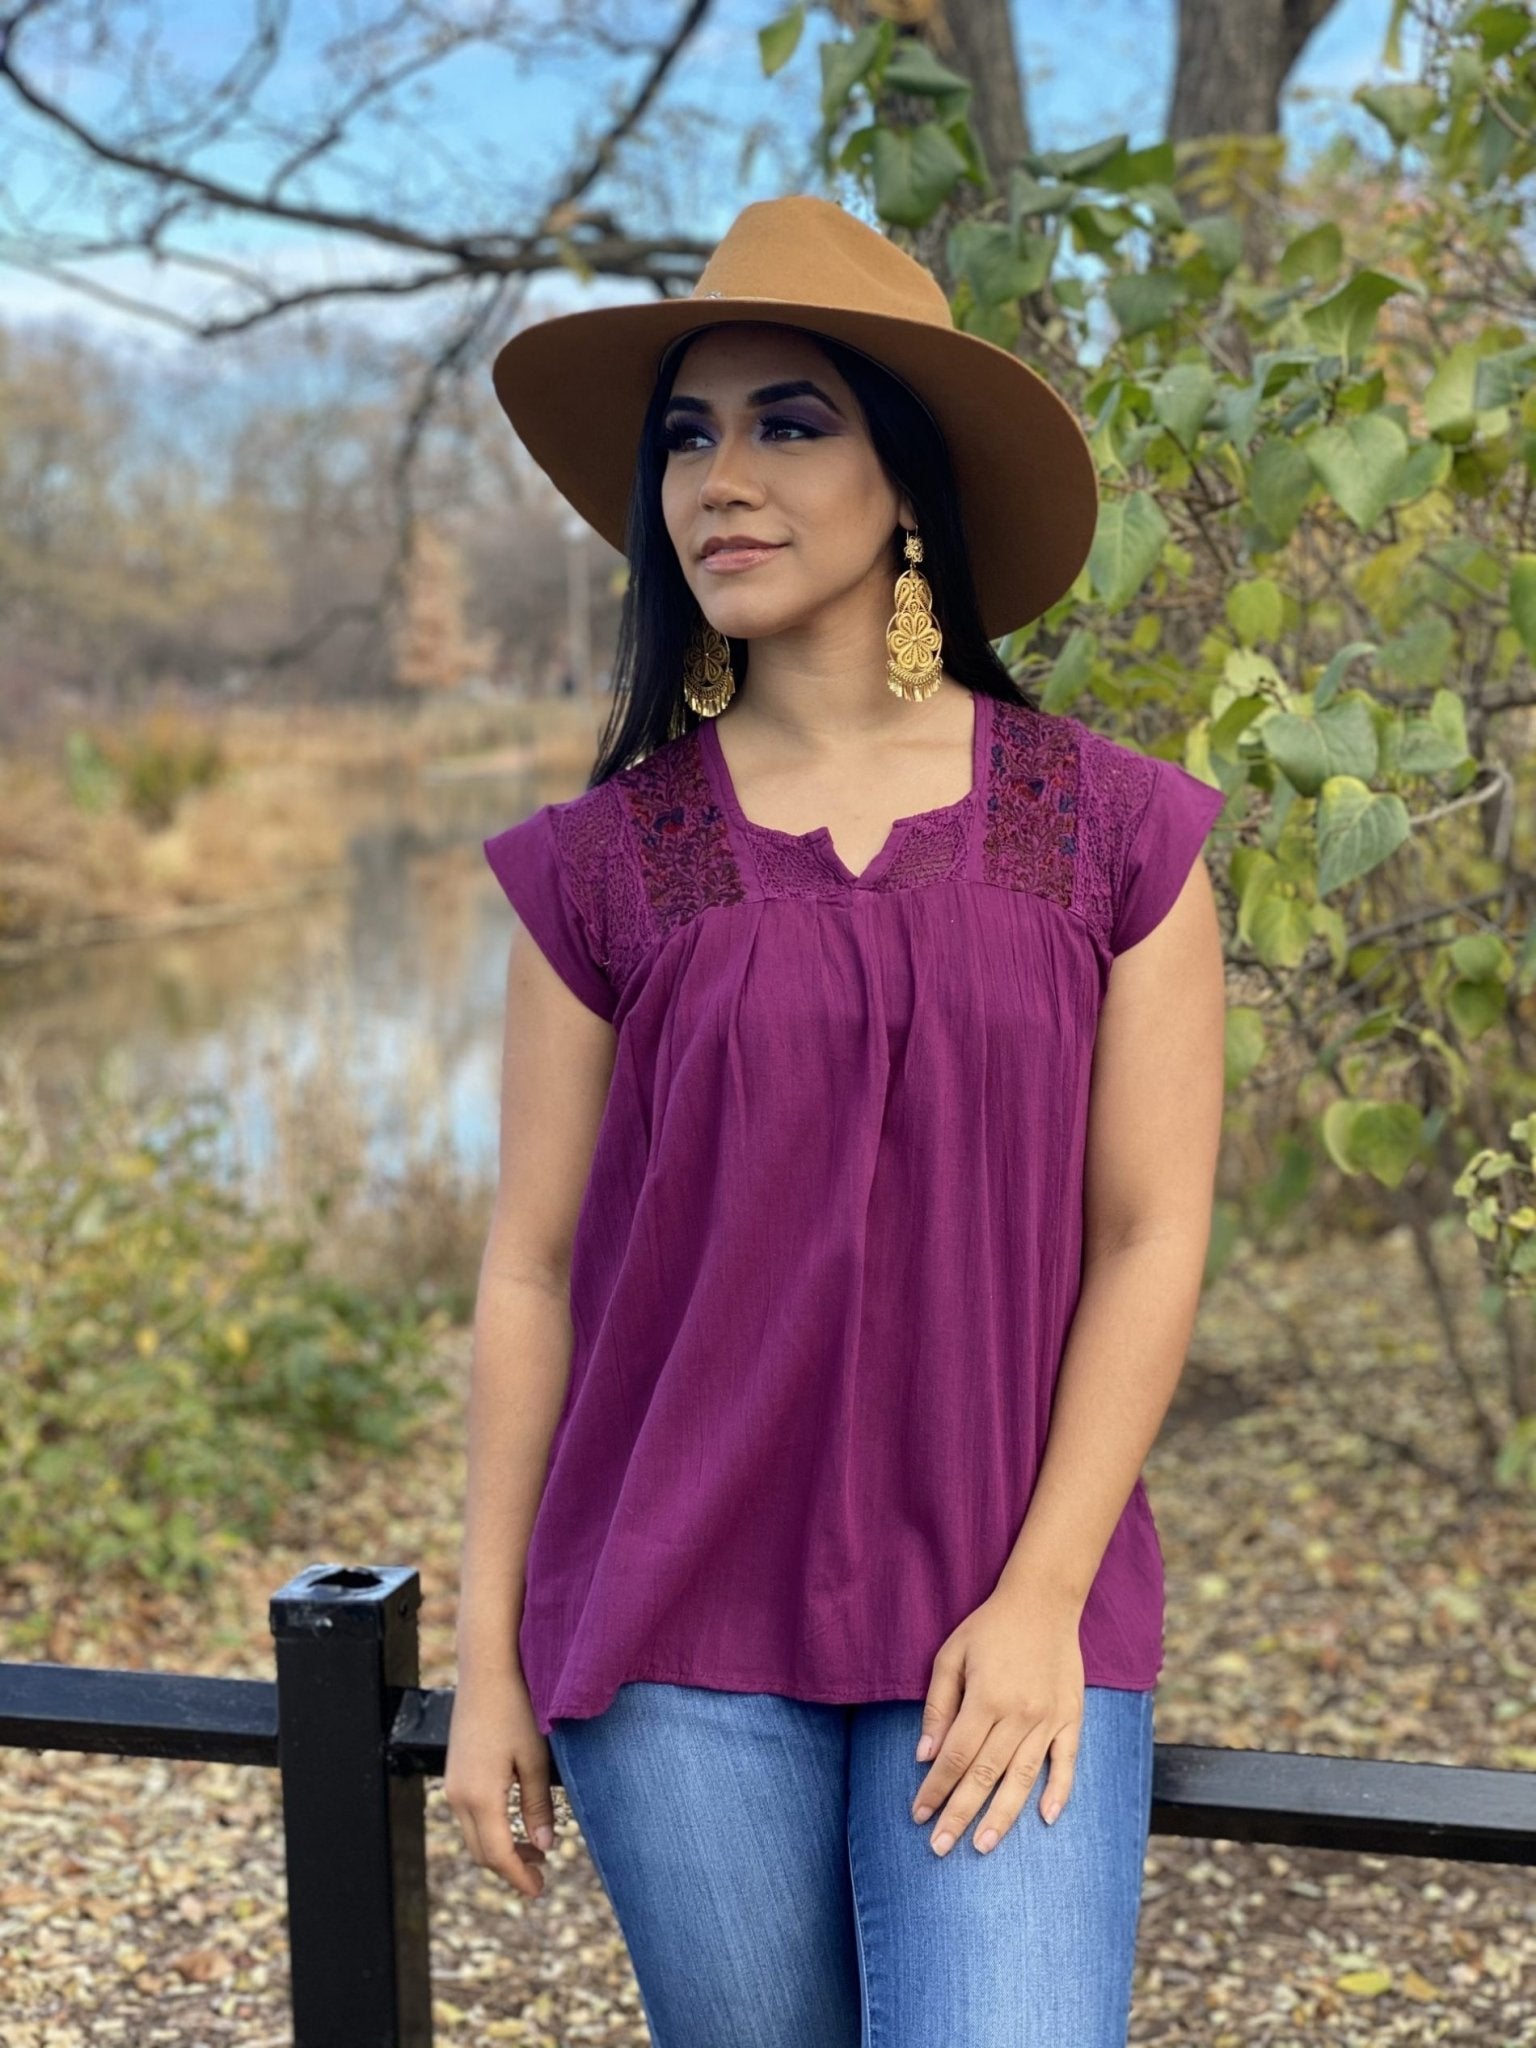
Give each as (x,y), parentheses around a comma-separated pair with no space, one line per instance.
(829,1249)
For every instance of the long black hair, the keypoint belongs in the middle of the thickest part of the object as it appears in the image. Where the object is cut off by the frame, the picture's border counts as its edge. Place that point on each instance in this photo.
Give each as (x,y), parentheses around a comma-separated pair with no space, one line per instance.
(660,613)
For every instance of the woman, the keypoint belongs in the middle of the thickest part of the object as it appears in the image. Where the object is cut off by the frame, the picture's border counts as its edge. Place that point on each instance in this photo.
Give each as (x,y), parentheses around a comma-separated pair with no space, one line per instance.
(861,1104)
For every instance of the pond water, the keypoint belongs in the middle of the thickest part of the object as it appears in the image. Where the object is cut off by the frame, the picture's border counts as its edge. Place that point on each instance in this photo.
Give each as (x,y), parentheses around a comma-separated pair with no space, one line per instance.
(365,1017)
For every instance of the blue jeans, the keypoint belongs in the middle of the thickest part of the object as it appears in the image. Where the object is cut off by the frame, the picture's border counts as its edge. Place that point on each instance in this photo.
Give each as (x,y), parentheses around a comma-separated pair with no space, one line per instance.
(774,1891)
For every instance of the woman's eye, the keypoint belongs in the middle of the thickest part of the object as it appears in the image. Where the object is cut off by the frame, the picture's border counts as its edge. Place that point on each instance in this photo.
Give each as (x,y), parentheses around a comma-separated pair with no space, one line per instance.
(677,435)
(795,426)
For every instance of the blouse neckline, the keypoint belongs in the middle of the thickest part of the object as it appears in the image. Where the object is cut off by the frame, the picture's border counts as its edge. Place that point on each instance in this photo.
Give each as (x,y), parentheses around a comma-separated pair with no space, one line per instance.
(819,837)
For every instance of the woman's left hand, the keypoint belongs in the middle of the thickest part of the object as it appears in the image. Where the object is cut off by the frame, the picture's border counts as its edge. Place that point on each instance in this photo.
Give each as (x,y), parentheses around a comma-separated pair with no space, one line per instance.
(1006,1692)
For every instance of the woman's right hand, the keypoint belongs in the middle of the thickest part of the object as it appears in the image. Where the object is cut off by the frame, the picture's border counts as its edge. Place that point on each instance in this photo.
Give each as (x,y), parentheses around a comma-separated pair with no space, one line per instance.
(493,1738)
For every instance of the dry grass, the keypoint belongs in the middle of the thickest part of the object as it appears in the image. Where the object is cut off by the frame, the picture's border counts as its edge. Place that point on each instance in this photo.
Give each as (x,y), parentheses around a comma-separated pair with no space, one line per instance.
(277,824)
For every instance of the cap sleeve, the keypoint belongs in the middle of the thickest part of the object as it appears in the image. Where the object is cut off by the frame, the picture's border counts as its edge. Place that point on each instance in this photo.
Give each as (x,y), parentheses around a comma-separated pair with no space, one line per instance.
(527,861)
(1178,812)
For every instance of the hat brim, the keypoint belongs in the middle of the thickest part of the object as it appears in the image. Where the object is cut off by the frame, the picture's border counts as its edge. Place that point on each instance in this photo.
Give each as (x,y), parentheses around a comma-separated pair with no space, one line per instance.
(575,388)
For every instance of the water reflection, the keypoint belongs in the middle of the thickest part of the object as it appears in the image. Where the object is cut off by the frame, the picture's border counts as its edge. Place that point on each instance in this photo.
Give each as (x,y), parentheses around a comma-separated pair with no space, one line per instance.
(365,1017)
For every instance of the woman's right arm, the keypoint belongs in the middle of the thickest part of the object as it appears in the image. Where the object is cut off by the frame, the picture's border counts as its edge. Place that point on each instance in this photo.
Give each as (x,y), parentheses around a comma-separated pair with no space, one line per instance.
(557,1060)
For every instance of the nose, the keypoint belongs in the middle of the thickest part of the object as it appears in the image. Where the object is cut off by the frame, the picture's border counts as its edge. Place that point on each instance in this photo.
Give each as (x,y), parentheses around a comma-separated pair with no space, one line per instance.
(729,475)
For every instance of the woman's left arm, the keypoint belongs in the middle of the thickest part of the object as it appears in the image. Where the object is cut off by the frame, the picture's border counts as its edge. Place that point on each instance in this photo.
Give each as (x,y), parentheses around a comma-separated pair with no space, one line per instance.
(1154,1130)
(1007,1685)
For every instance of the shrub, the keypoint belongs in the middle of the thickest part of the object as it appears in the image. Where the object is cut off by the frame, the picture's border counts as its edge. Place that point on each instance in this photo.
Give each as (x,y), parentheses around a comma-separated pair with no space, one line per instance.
(175,1370)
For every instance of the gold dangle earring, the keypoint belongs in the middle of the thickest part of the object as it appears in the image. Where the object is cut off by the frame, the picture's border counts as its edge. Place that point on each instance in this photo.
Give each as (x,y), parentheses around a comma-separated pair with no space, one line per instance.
(708,680)
(912,638)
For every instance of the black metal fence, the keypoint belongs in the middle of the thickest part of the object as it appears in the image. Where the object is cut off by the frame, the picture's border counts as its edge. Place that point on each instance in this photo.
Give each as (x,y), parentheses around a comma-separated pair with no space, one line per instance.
(354,1736)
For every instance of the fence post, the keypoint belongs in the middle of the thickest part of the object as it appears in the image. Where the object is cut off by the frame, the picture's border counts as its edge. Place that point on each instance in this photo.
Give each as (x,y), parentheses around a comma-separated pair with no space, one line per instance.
(354,1828)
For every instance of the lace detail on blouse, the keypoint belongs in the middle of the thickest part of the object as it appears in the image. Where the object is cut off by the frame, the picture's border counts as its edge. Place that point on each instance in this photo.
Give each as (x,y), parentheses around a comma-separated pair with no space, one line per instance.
(1116,788)
(932,850)
(790,866)
(1030,837)
(682,858)
(1054,815)
(583,829)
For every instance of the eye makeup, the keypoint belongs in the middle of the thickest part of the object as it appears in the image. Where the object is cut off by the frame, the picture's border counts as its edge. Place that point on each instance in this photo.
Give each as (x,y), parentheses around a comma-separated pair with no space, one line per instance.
(765,394)
(680,429)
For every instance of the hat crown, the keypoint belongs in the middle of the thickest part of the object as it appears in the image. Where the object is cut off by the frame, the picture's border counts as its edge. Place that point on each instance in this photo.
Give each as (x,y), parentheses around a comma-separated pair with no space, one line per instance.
(812,252)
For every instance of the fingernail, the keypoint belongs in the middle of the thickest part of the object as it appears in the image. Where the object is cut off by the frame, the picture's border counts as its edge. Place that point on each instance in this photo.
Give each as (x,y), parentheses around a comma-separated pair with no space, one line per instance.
(1049,1813)
(925,1749)
(544,1836)
(941,1843)
(921,1813)
(986,1840)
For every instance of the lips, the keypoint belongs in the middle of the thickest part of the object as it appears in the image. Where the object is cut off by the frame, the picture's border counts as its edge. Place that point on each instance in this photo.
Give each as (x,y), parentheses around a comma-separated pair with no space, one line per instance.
(734,541)
(742,553)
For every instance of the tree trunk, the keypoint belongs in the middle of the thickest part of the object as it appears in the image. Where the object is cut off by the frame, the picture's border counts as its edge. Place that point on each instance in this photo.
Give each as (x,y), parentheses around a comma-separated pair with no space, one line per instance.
(981,32)
(1234,57)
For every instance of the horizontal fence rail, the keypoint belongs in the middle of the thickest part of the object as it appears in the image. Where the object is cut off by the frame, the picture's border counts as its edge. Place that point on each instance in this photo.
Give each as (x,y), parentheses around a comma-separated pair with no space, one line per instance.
(355,1736)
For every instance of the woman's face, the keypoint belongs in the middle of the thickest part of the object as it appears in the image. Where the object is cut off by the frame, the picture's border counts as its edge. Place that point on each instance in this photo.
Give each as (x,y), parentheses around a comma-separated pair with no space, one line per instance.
(764,438)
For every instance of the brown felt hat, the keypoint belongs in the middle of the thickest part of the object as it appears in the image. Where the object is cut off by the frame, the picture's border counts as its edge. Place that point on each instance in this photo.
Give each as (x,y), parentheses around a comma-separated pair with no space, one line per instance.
(576,388)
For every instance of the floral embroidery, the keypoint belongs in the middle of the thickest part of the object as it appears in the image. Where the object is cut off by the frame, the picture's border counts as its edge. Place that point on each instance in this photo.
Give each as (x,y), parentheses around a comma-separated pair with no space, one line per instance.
(650,849)
(1116,788)
(680,835)
(1030,831)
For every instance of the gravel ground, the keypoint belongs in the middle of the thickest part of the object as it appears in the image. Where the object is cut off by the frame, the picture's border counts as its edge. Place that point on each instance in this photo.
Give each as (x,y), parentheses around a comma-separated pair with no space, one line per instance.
(1327,1593)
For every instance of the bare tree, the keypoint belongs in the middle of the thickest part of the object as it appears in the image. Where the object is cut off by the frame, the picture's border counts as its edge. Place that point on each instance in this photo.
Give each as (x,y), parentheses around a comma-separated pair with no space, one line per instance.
(132,150)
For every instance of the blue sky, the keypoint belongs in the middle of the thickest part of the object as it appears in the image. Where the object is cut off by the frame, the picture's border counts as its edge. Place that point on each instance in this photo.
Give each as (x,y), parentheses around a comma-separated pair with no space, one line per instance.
(505,129)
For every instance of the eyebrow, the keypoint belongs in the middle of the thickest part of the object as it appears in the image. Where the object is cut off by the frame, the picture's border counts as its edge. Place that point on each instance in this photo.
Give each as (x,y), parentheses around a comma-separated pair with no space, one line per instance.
(765,394)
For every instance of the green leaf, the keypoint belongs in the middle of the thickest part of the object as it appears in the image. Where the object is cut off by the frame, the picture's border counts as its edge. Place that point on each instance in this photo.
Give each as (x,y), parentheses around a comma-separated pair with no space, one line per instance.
(988,256)
(1357,829)
(914,171)
(1500,29)
(778,42)
(1280,481)
(1503,377)
(1130,169)
(1522,600)
(1392,48)
(1450,398)
(1144,299)
(1340,741)
(1249,674)
(914,68)
(1360,464)
(845,65)
(1244,1049)
(1328,686)
(1181,398)
(1254,610)
(1272,372)
(1126,547)
(1448,715)
(1099,228)
(1403,110)
(1344,322)
(1382,1139)
(1077,163)
(1423,652)
(1479,956)
(1221,238)
(1475,1006)
(1427,467)
(1026,197)
(1271,917)
(859,148)
(1070,670)
(1315,254)
(1426,750)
